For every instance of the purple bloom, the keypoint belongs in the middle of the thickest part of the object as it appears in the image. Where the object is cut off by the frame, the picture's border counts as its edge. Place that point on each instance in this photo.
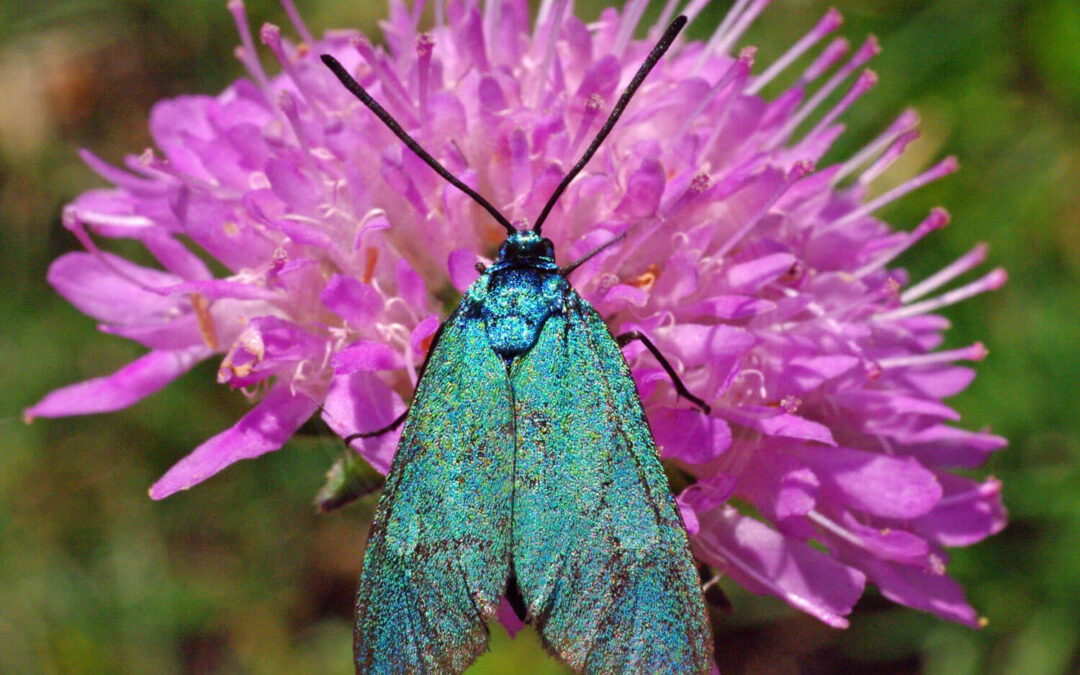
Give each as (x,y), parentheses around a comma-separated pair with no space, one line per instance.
(766,282)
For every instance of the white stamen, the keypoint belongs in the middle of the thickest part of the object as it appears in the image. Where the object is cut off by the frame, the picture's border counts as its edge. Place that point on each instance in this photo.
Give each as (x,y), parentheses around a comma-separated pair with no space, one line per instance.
(942,169)
(991,282)
(297,22)
(937,219)
(906,122)
(248,54)
(798,171)
(865,83)
(968,261)
(741,67)
(975,352)
(830,22)
(554,27)
(665,19)
(869,49)
(631,15)
(740,27)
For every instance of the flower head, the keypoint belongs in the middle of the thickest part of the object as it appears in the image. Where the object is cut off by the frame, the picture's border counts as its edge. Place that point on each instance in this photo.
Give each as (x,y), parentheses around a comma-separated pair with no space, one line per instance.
(827,459)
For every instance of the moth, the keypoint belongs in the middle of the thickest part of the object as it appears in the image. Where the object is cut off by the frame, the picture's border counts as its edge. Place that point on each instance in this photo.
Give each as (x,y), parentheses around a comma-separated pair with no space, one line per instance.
(526,467)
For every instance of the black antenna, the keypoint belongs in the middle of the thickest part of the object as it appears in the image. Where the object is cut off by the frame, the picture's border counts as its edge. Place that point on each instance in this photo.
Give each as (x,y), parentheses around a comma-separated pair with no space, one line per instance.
(616,112)
(353,86)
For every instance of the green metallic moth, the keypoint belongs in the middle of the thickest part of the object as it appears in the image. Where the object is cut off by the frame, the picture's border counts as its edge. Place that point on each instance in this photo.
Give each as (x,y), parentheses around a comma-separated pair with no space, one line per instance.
(527,468)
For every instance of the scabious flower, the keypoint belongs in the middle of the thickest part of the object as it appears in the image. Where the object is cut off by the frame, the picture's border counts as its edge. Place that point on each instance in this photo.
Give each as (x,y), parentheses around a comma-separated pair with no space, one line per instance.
(827,461)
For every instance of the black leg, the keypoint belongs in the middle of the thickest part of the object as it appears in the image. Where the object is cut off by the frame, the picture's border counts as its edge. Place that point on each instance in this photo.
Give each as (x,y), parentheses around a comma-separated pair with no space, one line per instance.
(401,418)
(378,432)
(626,338)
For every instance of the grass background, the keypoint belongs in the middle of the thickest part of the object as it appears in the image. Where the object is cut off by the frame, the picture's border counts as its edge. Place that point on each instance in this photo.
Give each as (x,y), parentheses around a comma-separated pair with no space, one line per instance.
(241,576)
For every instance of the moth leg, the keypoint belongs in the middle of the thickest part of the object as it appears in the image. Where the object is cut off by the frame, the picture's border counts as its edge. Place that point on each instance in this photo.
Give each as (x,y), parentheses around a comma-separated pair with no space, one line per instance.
(378,432)
(401,418)
(626,338)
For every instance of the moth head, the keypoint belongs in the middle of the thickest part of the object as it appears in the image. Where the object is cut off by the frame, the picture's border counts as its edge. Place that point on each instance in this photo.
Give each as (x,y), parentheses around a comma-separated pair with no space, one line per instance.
(526,245)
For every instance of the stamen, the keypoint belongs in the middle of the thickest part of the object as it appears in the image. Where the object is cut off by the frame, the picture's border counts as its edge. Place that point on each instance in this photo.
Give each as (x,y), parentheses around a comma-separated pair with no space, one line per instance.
(991,282)
(664,20)
(247,54)
(425,43)
(271,37)
(869,49)
(394,93)
(440,14)
(968,261)
(829,57)
(554,28)
(975,352)
(741,73)
(287,104)
(943,168)
(937,219)
(740,27)
(828,23)
(631,15)
(693,9)
(592,110)
(865,83)
(835,528)
(891,154)
(492,16)
(297,22)
(799,170)
(728,21)
(907,121)
(739,67)
(201,307)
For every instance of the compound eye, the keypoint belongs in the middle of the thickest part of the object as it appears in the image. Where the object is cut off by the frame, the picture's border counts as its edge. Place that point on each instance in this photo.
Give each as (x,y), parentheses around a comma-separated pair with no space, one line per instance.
(549,248)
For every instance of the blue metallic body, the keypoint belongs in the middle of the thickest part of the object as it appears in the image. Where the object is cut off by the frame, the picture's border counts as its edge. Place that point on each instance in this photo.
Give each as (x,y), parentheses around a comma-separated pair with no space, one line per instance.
(527,453)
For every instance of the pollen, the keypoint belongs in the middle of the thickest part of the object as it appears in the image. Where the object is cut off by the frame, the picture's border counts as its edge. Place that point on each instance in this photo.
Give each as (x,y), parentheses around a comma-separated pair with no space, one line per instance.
(371,256)
(201,306)
(646,279)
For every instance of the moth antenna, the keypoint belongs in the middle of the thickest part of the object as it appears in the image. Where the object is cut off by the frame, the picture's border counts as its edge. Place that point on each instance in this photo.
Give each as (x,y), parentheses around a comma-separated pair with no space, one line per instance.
(650,61)
(386,118)
(566,271)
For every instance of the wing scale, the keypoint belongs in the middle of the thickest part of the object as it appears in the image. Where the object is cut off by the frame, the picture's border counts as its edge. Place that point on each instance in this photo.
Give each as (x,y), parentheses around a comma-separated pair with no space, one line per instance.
(599,549)
(438,554)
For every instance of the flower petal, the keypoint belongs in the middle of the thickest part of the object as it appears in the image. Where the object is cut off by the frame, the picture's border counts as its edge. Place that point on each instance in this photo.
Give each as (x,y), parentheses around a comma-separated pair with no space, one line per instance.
(766,562)
(264,429)
(130,384)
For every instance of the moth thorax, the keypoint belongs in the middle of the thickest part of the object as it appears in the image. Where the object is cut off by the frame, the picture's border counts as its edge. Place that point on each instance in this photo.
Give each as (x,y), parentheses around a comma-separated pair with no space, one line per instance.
(518,303)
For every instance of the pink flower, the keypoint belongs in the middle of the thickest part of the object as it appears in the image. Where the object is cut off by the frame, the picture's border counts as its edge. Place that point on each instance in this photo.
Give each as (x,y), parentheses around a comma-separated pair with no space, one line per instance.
(766,282)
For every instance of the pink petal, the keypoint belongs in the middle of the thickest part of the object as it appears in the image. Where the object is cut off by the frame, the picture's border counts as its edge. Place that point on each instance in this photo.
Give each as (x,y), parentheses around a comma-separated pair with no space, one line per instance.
(130,384)
(885,486)
(749,277)
(264,429)
(112,289)
(423,330)
(410,285)
(508,618)
(359,403)
(351,299)
(967,513)
(462,266)
(366,355)
(919,589)
(775,422)
(766,562)
(689,434)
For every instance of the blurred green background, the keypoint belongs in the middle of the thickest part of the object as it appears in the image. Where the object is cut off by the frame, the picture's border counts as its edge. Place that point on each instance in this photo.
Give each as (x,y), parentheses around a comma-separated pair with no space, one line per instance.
(240,575)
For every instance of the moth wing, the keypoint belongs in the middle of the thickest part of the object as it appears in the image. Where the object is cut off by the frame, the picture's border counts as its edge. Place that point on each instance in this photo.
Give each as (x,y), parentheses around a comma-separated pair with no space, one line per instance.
(600,551)
(438,556)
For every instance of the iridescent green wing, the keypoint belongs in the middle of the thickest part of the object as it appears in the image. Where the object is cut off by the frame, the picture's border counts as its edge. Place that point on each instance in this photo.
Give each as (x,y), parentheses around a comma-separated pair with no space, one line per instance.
(599,550)
(438,556)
